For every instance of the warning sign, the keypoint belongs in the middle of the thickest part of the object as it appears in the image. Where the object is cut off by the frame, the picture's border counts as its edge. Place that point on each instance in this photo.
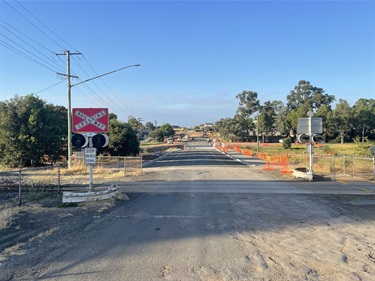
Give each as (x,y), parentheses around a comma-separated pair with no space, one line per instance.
(90,120)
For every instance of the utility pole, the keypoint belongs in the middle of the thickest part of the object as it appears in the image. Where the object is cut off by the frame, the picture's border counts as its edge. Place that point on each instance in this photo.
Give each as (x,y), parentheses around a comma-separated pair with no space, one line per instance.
(68,76)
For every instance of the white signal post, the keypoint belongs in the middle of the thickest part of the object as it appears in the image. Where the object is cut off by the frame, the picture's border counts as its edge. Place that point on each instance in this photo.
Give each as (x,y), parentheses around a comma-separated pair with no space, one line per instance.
(310,114)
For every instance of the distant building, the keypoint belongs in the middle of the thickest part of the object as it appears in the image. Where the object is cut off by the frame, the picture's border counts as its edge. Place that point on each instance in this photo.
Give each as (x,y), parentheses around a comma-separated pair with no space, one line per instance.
(207,126)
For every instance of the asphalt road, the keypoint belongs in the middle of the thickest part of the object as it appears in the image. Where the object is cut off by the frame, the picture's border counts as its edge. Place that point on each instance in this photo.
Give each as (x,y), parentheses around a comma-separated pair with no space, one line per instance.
(198,214)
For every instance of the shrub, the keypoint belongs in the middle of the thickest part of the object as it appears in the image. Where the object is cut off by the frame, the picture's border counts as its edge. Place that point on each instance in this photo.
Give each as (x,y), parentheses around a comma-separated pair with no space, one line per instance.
(287,143)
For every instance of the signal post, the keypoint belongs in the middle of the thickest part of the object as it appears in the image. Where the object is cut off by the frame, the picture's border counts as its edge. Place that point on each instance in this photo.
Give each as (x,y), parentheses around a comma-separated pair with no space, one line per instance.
(90,124)
(309,132)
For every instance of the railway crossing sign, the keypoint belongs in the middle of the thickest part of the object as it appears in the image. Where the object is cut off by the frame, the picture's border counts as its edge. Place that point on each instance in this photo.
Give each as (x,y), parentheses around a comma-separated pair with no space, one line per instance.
(316,125)
(90,120)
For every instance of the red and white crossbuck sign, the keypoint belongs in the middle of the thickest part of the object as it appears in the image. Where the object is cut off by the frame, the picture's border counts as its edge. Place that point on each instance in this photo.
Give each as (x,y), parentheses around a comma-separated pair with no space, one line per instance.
(90,120)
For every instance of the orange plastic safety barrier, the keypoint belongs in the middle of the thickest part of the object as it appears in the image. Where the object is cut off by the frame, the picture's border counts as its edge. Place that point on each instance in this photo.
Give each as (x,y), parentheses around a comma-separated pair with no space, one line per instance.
(275,162)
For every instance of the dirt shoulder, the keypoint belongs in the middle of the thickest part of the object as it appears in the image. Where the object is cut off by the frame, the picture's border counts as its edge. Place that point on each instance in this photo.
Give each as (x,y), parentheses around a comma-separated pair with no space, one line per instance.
(30,232)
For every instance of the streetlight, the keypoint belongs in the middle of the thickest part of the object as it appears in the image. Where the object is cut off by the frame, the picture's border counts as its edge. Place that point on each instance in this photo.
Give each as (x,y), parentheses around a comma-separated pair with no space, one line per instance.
(70,106)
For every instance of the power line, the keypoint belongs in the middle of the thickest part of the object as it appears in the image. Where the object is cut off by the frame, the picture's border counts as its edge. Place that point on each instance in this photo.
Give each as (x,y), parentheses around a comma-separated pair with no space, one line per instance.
(33,24)
(49,87)
(44,25)
(107,100)
(11,48)
(15,43)
(36,42)
(27,44)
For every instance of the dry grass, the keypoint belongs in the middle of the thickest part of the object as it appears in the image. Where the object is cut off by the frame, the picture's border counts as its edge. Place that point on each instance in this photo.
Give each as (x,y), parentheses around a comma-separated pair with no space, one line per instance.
(7,213)
(16,250)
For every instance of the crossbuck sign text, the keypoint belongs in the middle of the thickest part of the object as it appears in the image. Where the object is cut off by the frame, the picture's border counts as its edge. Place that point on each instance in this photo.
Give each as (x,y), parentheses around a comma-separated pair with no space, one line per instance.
(93,120)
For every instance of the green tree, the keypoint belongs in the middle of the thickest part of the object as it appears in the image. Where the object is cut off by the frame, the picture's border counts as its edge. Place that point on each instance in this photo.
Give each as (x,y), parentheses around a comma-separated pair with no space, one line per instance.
(248,103)
(364,116)
(157,135)
(342,119)
(229,128)
(135,123)
(281,125)
(305,93)
(164,131)
(326,113)
(123,140)
(150,126)
(267,118)
(167,130)
(30,129)
(240,127)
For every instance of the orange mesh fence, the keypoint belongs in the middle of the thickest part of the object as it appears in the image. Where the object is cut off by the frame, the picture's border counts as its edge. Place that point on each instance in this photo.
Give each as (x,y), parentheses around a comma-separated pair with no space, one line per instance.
(277,162)
(221,147)
(247,152)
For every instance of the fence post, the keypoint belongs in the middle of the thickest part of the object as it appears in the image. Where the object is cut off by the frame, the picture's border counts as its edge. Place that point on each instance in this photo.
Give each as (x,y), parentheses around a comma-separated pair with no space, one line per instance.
(373,164)
(353,165)
(141,165)
(125,166)
(118,163)
(334,168)
(19,187)
(58,178)
(344,165)
(319,162)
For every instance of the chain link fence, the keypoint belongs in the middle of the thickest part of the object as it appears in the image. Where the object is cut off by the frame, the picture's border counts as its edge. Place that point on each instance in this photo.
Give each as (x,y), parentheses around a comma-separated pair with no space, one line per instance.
(334,166)
(57,178)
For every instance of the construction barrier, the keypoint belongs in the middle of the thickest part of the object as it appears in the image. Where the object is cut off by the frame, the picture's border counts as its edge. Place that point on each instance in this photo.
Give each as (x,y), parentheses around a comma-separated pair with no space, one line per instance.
(277,162)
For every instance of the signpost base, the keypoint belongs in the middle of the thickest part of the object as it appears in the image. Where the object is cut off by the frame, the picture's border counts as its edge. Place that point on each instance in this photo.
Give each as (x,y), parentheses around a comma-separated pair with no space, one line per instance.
(303,173)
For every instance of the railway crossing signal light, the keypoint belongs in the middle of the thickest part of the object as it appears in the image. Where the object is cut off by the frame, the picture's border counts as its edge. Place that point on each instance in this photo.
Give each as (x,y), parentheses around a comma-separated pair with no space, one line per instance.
(317,138)
(304,138)
(79,141)
(100,140)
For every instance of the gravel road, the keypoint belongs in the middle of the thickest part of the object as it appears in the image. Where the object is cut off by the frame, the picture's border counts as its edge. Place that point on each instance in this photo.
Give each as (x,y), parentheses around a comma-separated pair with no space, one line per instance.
(200,215)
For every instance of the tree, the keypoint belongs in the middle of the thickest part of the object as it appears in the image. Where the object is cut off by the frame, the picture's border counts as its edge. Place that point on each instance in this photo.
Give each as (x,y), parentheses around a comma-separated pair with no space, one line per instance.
(342,119)
(304,93)
(30,129)
(240,127)
(123,139)
(281,124)
(167,130)
(135,123)
(150,126)
(157,135)
(267,118)
(364,116)
(248,103)
(325,112)
(228,128)
(162,132)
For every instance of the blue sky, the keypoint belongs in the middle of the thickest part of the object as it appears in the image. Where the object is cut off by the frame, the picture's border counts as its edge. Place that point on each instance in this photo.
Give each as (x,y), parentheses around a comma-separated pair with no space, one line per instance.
(195,56)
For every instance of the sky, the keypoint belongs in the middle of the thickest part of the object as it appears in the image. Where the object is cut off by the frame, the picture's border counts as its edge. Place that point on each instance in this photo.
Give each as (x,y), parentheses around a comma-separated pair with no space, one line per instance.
(195,56)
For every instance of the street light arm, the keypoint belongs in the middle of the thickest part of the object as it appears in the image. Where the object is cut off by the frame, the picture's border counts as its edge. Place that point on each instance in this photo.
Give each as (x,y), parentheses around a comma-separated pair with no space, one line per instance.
(105,74)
